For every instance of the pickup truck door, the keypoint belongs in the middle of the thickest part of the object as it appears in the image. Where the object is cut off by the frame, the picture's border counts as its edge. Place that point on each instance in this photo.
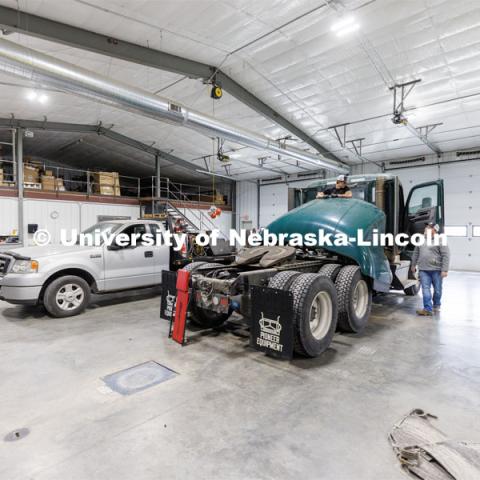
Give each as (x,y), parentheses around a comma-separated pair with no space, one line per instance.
(425,204)
(131,266)
(161,253)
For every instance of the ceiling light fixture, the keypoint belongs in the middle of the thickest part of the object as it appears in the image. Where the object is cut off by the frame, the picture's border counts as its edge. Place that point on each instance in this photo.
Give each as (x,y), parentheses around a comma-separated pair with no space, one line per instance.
(344,26)
(33,95)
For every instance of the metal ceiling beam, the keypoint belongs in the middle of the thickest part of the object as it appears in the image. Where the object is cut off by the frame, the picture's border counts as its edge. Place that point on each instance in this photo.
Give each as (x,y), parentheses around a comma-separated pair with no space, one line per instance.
(47,125)
(99,130)
(12,20)
(422,137)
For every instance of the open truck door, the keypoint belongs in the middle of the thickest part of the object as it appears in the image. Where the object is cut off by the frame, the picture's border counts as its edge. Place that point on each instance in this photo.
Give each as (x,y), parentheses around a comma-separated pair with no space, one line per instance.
(424,204)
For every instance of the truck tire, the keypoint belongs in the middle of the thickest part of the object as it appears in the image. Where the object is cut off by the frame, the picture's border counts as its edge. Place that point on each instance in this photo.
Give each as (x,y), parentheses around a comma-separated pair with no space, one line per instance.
(413,290)
(283,280)
(66,296)
(201,317)
(314,313)
(330,270)
(354,299)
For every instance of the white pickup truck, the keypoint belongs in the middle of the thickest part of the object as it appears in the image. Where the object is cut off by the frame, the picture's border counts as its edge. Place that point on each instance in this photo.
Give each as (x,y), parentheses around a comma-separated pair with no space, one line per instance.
(62,278)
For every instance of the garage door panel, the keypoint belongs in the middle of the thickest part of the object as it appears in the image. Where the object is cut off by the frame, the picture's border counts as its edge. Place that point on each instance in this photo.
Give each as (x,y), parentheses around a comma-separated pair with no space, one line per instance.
(273,203)
(465,253)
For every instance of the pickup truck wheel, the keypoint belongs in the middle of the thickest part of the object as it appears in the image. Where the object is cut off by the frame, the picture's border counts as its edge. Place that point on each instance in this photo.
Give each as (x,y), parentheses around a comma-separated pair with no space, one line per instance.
(314,313)
(354,299)
(66,296)
(201,317)
(413,290)
(283,280)
(330,270)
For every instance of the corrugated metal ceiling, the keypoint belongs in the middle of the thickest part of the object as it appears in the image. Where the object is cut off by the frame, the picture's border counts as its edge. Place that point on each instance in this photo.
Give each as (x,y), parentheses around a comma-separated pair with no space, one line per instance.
(308,74)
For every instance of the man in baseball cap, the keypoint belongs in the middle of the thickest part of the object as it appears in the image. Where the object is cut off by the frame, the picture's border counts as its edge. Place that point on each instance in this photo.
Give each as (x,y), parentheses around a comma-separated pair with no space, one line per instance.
(432,262)
(341,189)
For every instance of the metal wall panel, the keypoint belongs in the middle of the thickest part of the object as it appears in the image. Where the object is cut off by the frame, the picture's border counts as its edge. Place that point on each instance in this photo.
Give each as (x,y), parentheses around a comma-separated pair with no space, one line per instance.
(8,215)
(52,216)
(91,211)
(247,204)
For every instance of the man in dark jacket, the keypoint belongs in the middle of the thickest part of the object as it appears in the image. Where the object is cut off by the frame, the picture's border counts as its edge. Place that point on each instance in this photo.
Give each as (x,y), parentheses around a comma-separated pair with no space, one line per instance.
(341,189)
(433,262)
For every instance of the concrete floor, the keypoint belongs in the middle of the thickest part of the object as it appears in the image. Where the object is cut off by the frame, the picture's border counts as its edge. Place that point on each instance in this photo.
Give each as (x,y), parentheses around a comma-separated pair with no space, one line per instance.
(231,413)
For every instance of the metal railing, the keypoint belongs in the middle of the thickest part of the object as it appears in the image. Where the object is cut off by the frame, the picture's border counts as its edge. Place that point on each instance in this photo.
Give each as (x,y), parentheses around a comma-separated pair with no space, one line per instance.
(188,192)
(74,180)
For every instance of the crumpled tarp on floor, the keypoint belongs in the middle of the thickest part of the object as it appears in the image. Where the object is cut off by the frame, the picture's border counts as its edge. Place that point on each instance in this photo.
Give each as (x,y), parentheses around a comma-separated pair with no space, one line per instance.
(427,453)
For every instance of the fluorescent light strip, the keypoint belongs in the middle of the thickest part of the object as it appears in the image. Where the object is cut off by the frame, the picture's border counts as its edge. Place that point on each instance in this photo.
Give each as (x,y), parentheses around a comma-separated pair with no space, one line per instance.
(343,23)
(349,29)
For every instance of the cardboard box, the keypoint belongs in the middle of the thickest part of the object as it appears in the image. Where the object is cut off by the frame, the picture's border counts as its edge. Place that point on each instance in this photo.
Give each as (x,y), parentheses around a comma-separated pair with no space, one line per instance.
(105,190)
(48,183)
(30,174)
(106,183)
(49,173)
(60,185)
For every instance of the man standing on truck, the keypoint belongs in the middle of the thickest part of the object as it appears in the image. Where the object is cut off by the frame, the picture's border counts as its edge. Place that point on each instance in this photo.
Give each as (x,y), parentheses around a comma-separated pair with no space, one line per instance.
(341,189)
(432,262)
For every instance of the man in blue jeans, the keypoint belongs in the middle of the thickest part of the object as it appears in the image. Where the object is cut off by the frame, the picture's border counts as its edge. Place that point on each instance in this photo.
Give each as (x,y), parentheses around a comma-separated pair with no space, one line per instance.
(432,262)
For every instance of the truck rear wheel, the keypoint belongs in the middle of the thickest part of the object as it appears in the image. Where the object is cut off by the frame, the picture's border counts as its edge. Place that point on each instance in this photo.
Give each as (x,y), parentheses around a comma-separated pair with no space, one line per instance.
(200,316)
(283,280)
(66,296)
(354,299)
(330,270)
(314,313)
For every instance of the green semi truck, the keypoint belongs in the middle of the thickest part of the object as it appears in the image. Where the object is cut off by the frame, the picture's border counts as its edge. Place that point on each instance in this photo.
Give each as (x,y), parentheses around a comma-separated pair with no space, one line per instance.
(332,285)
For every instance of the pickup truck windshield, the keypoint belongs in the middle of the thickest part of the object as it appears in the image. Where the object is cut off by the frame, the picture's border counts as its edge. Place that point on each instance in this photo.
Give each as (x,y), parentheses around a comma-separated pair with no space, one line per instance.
(102,227)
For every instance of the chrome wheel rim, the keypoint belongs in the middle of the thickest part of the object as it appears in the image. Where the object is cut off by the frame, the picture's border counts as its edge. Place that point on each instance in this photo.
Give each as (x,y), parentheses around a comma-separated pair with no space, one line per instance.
(321,315)
(69,296)
(360,298)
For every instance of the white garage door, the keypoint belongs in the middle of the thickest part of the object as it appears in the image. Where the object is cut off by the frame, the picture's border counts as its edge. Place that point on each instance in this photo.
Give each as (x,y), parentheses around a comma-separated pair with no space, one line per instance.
(462,207)
(273,203)
(462,213)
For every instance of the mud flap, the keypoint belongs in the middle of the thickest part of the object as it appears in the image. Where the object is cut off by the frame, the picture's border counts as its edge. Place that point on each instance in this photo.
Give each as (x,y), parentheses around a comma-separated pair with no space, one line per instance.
(169,295)
(427,453)
(271,330)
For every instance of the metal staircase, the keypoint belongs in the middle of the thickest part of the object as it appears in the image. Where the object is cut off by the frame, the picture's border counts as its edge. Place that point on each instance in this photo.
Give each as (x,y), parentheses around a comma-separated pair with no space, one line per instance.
(195,220)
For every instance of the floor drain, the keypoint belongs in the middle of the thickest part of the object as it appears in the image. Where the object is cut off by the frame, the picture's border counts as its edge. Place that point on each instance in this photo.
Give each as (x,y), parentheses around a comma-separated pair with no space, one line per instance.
(139,377)
(16,435)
